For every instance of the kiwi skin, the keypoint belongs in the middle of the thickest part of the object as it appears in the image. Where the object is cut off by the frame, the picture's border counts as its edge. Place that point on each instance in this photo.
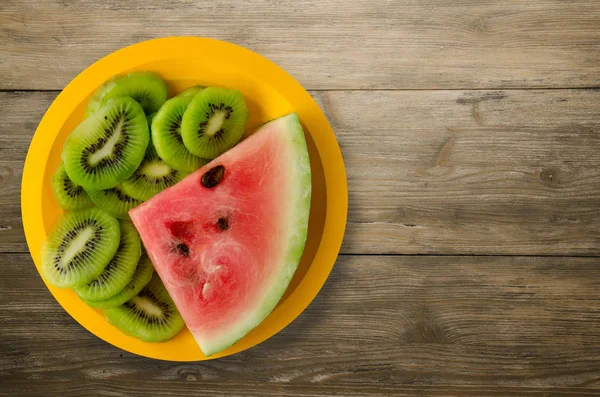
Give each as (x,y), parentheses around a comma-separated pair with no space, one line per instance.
(87,261)
(69,195)
(141,277)
(214,122)
(133,318)
(119,270)
(107,147)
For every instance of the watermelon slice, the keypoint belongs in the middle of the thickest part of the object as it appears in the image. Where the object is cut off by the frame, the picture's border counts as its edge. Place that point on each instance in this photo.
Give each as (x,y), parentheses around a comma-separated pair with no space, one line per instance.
(227,239)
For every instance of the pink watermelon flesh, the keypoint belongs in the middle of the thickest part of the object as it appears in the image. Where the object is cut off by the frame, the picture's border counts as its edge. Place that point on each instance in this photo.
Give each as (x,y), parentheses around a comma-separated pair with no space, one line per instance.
(226,254)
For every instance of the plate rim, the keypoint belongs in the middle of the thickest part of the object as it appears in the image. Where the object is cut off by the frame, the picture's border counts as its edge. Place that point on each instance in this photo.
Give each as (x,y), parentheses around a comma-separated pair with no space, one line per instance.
(335,178)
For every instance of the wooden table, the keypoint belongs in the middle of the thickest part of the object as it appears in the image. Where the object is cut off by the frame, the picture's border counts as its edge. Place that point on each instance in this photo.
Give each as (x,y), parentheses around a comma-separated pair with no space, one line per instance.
(471,135)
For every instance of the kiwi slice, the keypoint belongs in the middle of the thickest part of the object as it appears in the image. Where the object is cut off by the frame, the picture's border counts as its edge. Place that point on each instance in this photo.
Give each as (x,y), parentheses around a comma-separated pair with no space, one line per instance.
(141,277)
(107,147)
(150,316)
(146,88)
(114,201)
(151,177)
(192,91)
(69,195)
(214,121)
(79,248)
(166,135)
(119,270)
(149,119)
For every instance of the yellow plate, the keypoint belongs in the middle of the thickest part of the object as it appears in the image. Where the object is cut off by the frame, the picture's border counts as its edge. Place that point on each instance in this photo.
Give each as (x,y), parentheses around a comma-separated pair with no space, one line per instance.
(270,92)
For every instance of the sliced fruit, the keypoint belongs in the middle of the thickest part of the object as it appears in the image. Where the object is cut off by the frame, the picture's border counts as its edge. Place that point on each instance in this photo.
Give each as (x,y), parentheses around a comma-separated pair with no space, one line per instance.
(166,135)
(141,277)
(107,147)
(214,121)
(150,316)
(227,239)
(80,247)
(114,201)
(119,271)
(192,91)
(146,88)
(69,195)
(152,176)
(149,120)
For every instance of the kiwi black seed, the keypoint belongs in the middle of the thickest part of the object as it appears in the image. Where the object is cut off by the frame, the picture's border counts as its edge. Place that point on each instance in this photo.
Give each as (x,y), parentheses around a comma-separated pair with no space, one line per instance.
(166,135)
(114,201)
(69,195)
(119,271)
(79,248)
(146,88)
(150,316)
(152,177)
(214,121)
(141,277)
(107,147)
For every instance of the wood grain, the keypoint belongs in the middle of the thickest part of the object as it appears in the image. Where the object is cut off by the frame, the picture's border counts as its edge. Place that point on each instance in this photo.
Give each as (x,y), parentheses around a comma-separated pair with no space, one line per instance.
(362,44)
(429,172)
(486,326)
(464,130)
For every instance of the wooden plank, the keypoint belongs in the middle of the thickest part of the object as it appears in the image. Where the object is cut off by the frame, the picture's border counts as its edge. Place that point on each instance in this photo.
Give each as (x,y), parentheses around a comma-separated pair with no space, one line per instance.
(436,172)
(21,113)
(364,44)
(191,386)
(486,326)
(479,172)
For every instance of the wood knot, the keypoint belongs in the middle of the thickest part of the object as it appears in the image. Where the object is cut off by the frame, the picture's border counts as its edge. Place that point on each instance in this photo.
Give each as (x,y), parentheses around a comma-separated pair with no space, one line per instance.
(189,374)
(549,176)
(426,328)
(480,25)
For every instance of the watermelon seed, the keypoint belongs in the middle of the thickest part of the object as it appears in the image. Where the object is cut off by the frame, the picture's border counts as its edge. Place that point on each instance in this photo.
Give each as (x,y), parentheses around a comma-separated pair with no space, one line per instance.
(223,224)
(212,177)
(183,249)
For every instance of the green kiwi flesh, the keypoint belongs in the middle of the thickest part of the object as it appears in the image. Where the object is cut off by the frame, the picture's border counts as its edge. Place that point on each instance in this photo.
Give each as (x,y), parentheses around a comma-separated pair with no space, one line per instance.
(146,88)
(192,91)
(114,201)
(166,135)
(119,271)
(68,195)
(141,277)
(152,177)
(150,316)
(79,248)
(149,120)
(214,121)
(107,147)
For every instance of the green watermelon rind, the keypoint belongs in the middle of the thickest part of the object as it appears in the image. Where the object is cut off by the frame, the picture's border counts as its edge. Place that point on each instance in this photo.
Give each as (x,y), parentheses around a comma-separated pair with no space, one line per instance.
(299,204)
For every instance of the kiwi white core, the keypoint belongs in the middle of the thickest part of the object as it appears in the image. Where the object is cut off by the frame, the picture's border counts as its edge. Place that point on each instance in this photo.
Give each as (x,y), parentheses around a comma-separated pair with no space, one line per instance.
(147,306)
(215,123)
(156,170)
(78,244)
(107,149)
